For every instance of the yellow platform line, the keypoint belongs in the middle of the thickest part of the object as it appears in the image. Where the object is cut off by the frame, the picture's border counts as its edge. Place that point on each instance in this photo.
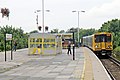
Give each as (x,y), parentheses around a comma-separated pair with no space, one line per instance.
(77,71)
(87,73)
(83,73)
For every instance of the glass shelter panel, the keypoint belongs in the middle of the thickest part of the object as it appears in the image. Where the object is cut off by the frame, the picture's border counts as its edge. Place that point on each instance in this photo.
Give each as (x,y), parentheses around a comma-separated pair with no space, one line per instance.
(49,43)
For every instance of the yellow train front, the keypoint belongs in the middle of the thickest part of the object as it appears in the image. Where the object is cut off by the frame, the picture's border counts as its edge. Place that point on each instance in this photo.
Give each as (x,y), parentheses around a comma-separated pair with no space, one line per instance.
(100,43)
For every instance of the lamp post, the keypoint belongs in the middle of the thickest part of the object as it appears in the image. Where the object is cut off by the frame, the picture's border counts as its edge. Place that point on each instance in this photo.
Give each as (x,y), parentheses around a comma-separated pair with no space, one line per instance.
(39,27)
(37,16)
(73,44)
(43,15)
(73,47)
(6,12)
(43,26)
(78,23)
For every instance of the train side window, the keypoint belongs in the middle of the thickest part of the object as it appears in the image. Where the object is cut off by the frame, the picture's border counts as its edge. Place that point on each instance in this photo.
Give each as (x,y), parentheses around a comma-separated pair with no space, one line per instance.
(97,38)
(108,38)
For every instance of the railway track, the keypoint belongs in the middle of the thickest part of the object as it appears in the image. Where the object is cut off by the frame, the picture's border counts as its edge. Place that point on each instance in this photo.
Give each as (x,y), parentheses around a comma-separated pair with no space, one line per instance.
(112,66)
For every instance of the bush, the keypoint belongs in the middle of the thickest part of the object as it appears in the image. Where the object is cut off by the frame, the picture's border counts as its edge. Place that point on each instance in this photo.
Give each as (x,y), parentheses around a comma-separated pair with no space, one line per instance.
(18,35)
(116,53)
(117,50)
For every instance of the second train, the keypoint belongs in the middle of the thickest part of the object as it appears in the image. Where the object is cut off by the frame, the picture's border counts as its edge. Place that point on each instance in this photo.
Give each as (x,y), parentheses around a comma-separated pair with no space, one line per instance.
(100,43)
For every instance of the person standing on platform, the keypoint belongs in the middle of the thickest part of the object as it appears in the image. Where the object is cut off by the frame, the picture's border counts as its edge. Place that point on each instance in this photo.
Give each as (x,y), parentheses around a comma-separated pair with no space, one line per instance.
(15,45)
(69,48)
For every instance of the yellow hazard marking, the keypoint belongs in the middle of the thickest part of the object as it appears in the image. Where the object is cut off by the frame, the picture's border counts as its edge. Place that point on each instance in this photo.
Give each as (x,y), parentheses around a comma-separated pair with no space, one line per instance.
(87,73)
(83,73)
(77,72)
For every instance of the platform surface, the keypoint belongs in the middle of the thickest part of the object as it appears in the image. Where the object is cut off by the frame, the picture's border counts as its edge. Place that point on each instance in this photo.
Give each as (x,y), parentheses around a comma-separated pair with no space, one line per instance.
(60,67)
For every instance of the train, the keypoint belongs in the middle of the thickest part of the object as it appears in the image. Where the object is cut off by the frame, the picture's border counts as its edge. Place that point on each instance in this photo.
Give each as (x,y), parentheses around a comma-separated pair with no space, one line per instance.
(66,38)
(100,43)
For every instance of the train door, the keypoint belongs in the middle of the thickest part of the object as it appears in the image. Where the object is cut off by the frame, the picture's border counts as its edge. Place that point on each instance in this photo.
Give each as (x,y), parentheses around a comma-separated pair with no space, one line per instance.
(97,43)
(109,44)
(103,41)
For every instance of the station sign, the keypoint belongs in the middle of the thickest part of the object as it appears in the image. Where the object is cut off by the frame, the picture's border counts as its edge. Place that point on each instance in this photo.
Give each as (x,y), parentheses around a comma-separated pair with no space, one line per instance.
(8,36)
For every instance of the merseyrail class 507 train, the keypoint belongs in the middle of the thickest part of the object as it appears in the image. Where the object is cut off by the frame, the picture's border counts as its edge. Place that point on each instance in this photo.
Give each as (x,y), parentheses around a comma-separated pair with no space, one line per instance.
(100,43)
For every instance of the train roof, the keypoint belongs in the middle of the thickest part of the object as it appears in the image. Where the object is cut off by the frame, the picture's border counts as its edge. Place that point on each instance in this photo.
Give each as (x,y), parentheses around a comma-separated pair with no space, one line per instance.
(102,33)
(99,33)
(63,33)
(88,36)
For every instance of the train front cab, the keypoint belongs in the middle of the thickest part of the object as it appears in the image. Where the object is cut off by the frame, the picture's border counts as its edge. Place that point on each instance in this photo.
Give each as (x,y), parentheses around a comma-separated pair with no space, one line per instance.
(103,43)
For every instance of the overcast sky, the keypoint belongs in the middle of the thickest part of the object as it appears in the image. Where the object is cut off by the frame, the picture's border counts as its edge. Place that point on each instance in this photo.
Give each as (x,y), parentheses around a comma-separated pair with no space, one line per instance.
(60,16)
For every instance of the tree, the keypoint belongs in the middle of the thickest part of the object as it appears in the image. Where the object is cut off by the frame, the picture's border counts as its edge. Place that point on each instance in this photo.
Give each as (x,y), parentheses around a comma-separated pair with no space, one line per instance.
(112,26)
(54,31)
(72,30)
(35,31)
(18,35)
(62,31)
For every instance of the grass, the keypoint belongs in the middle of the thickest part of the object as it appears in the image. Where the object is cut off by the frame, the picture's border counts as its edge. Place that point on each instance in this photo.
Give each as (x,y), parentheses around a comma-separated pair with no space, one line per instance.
(116,53)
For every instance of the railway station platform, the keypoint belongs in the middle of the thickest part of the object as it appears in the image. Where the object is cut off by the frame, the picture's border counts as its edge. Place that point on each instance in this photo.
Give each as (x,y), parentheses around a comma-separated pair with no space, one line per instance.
(86,66)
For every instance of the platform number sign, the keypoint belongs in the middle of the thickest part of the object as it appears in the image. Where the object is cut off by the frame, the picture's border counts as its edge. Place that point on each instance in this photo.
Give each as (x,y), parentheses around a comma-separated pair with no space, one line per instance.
(8,36)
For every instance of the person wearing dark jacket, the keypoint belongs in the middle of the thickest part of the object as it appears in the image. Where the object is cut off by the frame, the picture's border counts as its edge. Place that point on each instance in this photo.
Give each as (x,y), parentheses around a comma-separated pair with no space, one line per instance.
(69,49)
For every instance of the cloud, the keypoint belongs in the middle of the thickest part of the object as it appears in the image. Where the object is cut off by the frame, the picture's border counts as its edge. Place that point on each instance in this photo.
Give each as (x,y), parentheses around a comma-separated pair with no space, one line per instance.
(60,15)
(107,9)
(96,16)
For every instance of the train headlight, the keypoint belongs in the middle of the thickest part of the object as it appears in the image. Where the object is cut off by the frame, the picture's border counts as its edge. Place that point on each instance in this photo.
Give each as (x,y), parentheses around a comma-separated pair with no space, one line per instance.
(96,46)
(109,46)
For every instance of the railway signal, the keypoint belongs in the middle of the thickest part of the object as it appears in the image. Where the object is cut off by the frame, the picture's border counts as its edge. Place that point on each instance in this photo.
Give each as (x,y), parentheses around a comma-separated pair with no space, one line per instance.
(46,28)
(39,27)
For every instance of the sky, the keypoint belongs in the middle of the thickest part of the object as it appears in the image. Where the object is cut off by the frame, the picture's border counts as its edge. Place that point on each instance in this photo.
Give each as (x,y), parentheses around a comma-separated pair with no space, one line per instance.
(60,16)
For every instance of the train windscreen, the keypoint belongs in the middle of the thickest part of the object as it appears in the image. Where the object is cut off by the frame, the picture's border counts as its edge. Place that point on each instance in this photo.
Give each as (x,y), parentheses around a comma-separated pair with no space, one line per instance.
(108,38)
(102,38)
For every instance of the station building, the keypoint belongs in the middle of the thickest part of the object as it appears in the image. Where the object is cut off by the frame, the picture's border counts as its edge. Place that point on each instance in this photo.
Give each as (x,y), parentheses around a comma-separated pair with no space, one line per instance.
(44,44)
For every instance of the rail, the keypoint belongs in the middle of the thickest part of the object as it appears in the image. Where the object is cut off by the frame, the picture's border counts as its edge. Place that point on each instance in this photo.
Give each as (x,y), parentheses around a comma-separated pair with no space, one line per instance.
(112,66)
(117,62)
(112,77)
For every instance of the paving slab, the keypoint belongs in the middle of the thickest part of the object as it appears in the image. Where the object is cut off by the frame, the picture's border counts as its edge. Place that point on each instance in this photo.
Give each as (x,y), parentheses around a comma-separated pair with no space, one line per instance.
(59,67)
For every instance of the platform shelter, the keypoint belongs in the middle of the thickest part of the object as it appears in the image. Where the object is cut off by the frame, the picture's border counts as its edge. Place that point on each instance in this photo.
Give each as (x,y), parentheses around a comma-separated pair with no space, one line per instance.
(44,44)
